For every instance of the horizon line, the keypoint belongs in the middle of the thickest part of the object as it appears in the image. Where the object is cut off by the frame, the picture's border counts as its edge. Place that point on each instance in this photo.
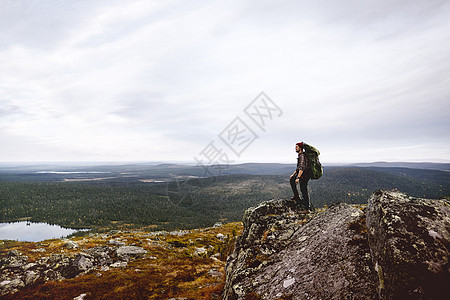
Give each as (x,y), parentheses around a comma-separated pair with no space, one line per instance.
(105,162)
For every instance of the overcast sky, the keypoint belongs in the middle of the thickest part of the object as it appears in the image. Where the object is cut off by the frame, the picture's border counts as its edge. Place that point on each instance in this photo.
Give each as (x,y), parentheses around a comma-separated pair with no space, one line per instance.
(182,80)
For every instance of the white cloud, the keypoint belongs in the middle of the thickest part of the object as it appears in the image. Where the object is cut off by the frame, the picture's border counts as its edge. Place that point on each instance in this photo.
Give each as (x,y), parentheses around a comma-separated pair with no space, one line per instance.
(159,80)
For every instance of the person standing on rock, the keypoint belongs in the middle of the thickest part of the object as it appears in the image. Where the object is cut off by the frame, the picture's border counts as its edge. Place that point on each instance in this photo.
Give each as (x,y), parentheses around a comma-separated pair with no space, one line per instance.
(302,175)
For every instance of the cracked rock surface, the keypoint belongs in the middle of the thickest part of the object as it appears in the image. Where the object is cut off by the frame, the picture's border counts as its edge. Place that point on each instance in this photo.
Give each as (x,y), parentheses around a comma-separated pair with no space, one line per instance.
(399,252)
(280,256)
(410,243)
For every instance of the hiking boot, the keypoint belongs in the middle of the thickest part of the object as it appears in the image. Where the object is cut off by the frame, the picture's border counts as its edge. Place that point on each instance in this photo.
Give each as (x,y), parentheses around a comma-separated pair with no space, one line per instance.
(301,209)
(295,198)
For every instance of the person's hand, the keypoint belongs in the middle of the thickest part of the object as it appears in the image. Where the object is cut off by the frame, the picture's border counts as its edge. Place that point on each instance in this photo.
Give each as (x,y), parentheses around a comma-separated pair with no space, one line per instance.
(297,180)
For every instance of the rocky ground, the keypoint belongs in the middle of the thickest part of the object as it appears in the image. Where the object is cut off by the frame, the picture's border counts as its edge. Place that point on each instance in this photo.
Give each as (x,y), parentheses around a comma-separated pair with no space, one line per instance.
(396,247)
(119,265)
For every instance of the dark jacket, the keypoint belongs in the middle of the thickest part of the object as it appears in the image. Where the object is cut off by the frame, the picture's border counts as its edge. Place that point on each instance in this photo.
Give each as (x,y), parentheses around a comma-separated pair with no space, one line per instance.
(302,162)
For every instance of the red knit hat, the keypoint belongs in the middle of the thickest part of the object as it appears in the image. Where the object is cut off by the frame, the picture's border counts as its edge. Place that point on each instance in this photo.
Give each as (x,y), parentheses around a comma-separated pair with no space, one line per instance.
(300,144)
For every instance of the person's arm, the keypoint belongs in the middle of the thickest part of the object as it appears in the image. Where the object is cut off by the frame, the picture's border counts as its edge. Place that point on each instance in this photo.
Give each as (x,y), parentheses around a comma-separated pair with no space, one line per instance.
(301,166)
(300,172)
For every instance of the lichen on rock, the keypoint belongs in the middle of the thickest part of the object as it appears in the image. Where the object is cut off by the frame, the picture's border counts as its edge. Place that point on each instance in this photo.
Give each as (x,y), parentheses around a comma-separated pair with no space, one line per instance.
(409,240)
(396,248)
(313,258)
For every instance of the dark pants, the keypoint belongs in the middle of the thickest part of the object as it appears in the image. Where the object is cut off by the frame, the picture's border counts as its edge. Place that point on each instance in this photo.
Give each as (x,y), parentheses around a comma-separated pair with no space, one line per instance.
(304,202)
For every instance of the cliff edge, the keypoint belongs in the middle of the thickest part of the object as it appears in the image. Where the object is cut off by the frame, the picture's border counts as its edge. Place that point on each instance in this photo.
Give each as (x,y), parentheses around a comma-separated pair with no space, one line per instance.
(395,248)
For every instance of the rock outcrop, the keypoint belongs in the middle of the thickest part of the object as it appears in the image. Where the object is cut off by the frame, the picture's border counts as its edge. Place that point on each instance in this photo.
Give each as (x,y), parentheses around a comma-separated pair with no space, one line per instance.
(17,272)
(278,256)
(410,242)
(400,252)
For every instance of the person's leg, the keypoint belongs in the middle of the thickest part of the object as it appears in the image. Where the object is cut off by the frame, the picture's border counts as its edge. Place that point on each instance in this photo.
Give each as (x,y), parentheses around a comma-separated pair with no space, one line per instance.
(304,189)
(294,186)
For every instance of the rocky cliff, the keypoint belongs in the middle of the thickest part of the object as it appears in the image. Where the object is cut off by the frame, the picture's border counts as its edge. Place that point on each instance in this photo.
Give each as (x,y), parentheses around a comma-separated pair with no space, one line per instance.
(396,247)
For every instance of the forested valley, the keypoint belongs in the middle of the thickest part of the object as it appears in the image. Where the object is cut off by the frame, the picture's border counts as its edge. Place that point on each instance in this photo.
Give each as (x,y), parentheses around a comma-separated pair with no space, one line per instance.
(183,202)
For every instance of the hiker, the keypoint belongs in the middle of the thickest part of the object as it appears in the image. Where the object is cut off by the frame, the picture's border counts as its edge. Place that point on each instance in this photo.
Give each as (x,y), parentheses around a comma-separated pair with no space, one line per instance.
(302,175)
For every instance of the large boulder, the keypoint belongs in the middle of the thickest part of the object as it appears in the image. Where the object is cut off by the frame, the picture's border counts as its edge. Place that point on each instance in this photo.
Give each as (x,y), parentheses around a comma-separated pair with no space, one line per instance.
(128,252)
(282,255)
(102,255)
(82,263)
(410,243)
(397,248)
(11,286)
(13,261)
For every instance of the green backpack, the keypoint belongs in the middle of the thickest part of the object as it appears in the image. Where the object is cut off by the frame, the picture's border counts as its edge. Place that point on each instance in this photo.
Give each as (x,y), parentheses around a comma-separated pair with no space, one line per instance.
(313,161)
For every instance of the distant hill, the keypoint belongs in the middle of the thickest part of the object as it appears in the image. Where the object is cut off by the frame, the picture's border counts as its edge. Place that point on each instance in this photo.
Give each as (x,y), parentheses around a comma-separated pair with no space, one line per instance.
(170,169)
(411,165)
(356,184)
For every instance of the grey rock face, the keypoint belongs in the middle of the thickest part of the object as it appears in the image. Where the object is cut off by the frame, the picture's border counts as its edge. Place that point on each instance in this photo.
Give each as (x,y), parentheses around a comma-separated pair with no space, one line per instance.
(127,252)
(11,286)
(102,255)
(14,261)
(280,257)
(30,277)
(116,242)
(119,264)
(80,297)
(410,244)
(81,263)
(70,245)
(400,252)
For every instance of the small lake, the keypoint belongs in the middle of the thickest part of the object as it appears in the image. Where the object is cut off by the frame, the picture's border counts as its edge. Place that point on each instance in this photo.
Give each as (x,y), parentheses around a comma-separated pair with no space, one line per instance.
(33,232)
